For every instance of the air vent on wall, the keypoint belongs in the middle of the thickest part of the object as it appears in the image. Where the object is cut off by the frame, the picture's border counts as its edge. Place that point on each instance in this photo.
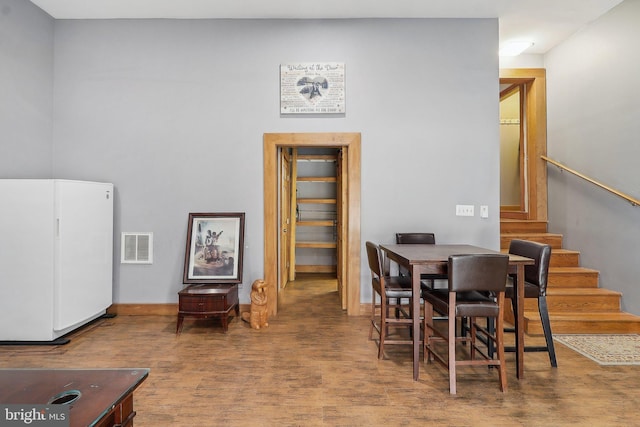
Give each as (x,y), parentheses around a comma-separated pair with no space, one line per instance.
(136,248)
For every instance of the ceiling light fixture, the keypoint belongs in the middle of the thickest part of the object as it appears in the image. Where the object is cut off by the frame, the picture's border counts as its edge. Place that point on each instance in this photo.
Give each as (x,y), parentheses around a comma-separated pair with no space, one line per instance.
(514,48)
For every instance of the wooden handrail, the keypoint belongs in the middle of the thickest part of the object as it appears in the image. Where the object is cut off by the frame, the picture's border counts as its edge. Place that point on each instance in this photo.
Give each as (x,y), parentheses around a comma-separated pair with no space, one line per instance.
(634,202)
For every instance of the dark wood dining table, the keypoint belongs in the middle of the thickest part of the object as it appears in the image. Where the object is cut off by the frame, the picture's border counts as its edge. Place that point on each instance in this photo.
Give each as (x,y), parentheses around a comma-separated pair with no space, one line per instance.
(433,259)
(94,397)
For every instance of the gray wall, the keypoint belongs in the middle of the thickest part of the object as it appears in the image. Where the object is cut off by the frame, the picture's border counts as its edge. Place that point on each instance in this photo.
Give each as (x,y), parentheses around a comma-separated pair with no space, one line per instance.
(173,113)
(26,90)
(593,127)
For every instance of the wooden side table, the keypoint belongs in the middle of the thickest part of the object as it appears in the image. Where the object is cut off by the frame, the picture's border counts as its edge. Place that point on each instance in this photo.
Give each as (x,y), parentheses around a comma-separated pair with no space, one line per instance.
(205,301)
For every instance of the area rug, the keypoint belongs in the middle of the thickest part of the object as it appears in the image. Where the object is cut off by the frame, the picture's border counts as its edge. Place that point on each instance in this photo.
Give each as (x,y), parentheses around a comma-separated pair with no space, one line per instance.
(605,349)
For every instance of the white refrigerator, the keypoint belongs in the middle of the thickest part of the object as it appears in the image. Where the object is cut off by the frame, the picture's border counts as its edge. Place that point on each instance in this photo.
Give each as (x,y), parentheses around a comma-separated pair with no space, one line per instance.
(56,256)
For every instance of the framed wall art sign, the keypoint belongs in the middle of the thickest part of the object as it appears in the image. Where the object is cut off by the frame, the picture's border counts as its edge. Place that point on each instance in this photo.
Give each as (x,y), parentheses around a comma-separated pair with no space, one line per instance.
(215,243)
(312,88)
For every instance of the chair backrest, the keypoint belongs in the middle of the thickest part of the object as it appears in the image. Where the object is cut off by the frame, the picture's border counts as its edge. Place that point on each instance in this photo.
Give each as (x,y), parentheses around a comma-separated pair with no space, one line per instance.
(373,255)
(478,272)
(415,238)
(538,273)
(375,265)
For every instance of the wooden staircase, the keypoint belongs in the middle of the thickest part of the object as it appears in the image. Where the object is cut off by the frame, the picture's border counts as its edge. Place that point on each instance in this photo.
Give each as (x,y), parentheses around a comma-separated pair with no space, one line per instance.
(577,305)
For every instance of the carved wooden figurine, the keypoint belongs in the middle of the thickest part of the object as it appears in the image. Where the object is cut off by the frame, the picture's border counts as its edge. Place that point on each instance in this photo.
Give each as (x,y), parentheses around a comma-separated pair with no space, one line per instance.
(257,318)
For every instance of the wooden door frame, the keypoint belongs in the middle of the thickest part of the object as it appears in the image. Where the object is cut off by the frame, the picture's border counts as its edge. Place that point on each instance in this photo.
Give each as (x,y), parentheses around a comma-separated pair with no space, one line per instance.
(285,212)
(342,187)
(535,86)
(349,141)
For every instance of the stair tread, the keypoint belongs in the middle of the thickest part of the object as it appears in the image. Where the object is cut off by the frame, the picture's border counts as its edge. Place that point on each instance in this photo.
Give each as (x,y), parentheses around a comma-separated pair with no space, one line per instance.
(558,252)
(600,316)
(553,251)
(572,270)
(530,233)
(582,292)
(563,251)
(522,221)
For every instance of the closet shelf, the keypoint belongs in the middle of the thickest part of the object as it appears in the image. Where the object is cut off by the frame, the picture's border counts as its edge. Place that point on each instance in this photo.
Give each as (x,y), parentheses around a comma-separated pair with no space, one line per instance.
(317,157)
(317,201)
(317,245)
(316,179)
(318,223)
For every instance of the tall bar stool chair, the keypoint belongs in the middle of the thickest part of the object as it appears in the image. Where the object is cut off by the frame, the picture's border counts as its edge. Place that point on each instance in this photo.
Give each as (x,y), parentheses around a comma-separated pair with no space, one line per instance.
(427,280)
(477,284)
(390,290)
(535,286)
(421,239)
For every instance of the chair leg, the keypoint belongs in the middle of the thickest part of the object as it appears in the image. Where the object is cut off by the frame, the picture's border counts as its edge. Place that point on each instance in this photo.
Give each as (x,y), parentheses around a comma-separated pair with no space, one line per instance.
(514,307)
(410,315)
(499,334)
(491,328)
(373,315)
(427,324)
(463,327)
(397,302)
(452,350)
(546,326)
(472,330)
(384,312)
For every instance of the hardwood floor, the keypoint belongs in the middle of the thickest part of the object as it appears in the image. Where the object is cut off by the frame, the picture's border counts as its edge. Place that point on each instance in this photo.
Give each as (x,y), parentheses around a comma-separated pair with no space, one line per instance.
(314,366)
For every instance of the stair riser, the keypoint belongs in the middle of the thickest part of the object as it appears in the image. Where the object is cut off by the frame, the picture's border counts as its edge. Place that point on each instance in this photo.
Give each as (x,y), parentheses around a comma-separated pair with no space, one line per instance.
(534,327)
(577,303)
(550,239)
(564,259)
(523,227)
(573,280)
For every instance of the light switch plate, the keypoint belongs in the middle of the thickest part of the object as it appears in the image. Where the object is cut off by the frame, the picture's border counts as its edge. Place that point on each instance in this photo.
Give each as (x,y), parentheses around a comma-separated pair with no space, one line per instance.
(464,210)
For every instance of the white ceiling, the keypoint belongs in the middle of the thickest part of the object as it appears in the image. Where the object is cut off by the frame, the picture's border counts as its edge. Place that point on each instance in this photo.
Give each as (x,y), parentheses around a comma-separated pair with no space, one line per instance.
(545,22)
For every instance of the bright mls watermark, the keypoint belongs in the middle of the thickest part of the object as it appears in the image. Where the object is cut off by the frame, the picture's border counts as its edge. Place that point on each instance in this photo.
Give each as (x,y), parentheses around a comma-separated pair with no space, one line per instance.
(34,415)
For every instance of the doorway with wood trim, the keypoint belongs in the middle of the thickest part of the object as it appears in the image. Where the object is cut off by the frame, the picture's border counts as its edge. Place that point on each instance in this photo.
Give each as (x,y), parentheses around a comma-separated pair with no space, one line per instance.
(523,172)
(280,211)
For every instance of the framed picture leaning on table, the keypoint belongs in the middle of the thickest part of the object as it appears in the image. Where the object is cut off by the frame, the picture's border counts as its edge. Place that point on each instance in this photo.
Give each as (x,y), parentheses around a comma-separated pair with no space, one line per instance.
(215,243)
